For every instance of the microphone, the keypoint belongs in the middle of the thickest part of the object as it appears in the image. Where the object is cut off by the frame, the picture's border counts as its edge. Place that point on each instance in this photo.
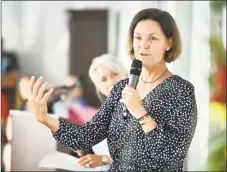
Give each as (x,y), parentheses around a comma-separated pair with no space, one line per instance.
(135,72)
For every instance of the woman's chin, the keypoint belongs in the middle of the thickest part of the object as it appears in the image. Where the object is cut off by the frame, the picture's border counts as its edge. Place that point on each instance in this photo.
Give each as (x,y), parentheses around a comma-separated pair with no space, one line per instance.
(144,58)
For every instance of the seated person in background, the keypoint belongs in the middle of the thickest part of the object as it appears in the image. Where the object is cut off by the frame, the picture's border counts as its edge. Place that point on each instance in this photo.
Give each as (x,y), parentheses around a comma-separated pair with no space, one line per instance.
(74,97)
(9,80)
(9,68)
(105,71)
(4,116)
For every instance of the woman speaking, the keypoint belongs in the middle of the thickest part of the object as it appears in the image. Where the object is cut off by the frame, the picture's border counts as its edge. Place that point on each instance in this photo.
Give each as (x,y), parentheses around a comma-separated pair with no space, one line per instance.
(162,110)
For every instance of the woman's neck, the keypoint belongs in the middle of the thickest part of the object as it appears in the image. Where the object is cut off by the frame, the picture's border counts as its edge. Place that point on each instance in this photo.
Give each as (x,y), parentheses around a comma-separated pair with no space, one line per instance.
(150,75)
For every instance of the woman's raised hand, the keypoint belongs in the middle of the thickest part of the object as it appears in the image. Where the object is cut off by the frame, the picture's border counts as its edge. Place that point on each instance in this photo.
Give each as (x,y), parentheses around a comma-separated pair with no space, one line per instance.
(37,99)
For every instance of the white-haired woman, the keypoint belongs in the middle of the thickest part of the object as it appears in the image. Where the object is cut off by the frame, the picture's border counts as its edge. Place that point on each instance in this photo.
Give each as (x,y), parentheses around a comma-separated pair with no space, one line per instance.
(105,71)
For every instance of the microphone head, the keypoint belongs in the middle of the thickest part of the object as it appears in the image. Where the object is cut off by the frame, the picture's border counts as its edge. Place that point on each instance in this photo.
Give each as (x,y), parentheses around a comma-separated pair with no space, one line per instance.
(136,67)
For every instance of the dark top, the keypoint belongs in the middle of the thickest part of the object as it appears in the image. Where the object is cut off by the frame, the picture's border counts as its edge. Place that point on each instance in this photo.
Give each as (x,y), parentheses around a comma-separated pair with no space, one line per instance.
(171,104)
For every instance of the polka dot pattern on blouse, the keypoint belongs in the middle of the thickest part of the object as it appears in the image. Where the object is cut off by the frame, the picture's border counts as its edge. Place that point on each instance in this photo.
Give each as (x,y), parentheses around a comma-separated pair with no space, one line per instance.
(171,104)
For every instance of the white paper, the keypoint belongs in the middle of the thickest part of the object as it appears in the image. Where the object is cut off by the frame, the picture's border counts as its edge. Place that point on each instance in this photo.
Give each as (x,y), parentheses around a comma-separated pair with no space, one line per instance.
(101,148)
(59,160)
(62,161)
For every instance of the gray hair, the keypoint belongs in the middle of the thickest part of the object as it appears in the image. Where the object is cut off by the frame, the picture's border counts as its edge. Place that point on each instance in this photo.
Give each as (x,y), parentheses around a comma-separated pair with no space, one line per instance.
(106,59)
(110,61)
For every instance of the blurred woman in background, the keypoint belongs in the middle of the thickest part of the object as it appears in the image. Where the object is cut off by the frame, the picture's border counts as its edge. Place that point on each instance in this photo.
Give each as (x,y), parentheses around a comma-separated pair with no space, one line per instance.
(73,97)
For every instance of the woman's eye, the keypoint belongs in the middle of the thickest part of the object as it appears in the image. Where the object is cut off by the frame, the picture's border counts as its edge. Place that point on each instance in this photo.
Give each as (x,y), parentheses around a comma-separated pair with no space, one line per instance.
(138,37)
(115,74)
(153,38)
(103,79)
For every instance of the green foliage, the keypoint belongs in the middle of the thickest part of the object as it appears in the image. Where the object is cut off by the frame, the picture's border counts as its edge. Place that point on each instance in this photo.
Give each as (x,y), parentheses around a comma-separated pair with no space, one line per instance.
(212,82)
(218,53)
(217,144)
(217,160)
(217,5)
(218,140)
(217,155)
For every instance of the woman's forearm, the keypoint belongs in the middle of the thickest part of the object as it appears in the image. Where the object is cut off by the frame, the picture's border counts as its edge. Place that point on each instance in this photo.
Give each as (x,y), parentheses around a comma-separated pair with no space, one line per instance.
(52,123)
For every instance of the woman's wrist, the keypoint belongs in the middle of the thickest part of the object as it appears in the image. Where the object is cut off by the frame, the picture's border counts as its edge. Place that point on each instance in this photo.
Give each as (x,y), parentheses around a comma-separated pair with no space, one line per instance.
(52,123)
(140,112)
(106,159)
(146,120)
(148,124)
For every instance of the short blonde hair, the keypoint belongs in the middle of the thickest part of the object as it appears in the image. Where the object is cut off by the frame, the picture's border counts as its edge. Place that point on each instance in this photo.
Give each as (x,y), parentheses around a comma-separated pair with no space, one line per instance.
(168,26)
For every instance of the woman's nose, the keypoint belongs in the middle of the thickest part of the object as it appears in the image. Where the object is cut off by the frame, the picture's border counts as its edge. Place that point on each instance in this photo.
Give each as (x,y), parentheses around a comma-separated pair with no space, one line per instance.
(111,82)
(145,44)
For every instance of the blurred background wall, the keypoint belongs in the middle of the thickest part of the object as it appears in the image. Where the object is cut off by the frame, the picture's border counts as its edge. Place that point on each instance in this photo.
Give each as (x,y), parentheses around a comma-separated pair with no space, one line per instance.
(39,33)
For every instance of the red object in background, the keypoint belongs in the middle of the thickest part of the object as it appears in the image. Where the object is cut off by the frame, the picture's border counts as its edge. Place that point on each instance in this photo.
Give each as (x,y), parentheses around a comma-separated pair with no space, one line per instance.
(81,115)
(220,92)
(219,97)
(221,77)
(5,107)
(4,116)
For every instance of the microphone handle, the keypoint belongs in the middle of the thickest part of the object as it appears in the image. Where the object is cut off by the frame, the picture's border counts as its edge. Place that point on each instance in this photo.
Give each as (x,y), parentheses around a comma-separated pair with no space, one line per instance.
(133,81)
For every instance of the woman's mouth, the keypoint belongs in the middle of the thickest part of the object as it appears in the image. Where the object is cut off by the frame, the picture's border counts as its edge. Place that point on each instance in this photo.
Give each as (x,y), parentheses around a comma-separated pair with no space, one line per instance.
(143,54)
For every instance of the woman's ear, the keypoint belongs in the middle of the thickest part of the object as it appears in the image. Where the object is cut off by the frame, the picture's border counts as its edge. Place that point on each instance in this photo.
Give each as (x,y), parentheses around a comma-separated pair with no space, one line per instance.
(169,44)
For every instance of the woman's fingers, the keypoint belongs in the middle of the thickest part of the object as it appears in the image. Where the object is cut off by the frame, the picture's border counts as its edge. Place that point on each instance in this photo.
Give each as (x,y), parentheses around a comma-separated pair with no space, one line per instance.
(129,88)
(84,160)
(126,93)
(40,92)
(46,96)
(30,86)
(37,100)
(36,87)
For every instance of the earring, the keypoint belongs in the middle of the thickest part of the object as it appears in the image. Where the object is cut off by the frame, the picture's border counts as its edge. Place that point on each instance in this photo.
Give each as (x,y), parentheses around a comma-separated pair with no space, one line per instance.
(167,49)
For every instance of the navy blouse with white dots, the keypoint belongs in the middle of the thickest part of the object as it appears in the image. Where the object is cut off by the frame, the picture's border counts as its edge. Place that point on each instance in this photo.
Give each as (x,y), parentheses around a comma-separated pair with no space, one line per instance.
(171,104)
